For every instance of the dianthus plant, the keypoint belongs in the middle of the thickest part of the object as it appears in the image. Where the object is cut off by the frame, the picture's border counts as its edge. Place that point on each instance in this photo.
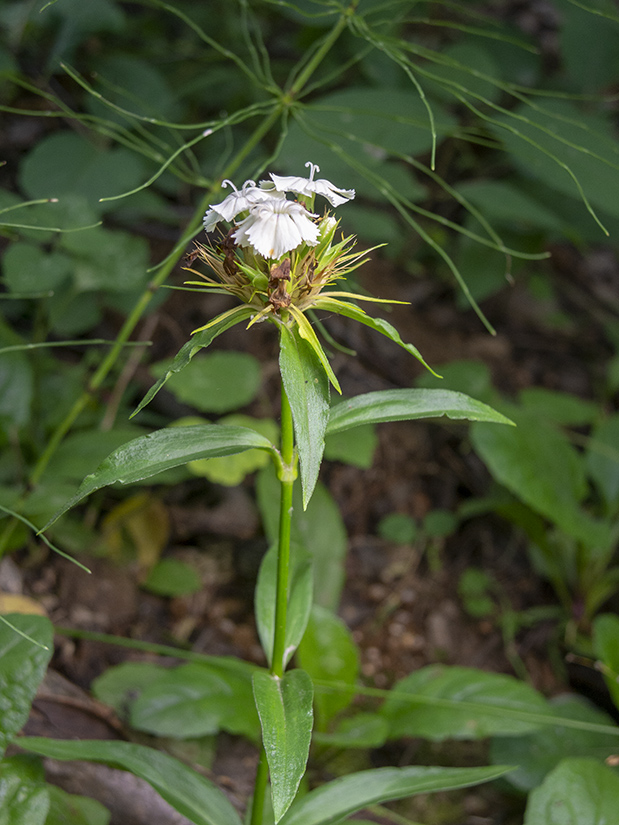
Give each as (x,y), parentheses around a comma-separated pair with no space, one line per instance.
(277,248)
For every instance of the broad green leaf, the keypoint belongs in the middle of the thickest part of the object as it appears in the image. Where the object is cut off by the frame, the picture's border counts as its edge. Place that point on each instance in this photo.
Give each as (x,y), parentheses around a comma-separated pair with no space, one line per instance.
(581,141)
(172,577)
(582,35)
(64,163)
(328,653)
(307,389)
(560,407)
(22,668)
(196,700)
(121,685)
(151,454)
(189,793)
(285,709)
(319,529)
(577,792)
(81,451)
(70,809)
(24,796)
(537,753)
(231,470)
(16,389)
(539,465)
(333,802)
(354,447)
(467,65)
(30,269)
(198,341)
(362,730)
(377,324)
(405,405)
(463,376)
(447,702)
(108,260)
(606,646)
(505,204)
(603,460)
(299,599)
(217,382)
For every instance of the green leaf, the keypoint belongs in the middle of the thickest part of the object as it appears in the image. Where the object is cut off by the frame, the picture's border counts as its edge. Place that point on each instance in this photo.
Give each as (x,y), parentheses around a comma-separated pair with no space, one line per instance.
(231,470)
(592,156)
(560,407)
(16,388)
(538,465)
(198,341)
(218,382)
(189,793)
(319,530)
(605,636)
(447,702)
(577,792)
(22,668)
(151,454)
(328,653)
(65,163)
(299,600)
(536,754)
(363,730)
(336,800)
(81,451)
(172,577)
(603,460)
(30,269)
(71,809)
(121,685)
(24,797)
(307,389)
(196,700)
(354,447)
(405,405)
(377,324)
(285,709)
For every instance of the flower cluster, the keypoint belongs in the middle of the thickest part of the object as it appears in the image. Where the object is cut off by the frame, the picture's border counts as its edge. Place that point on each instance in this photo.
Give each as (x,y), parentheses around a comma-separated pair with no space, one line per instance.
(274,225)
(279,254)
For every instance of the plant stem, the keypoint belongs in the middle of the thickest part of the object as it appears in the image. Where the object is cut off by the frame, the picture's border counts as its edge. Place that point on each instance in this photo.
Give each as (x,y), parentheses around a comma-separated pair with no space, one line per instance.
(287,474)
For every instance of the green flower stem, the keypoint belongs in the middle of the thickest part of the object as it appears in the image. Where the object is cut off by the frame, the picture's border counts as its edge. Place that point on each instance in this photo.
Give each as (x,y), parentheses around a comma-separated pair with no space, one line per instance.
(286,471)
(287,474)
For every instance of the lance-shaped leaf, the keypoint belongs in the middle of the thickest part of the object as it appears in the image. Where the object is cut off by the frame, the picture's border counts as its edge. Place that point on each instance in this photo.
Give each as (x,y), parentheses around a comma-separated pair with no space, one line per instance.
(26,646)
(151,454)
(403,405)
(285,710)
(307,388)
(378,324)
(190,794)
(339,799)
(198,341)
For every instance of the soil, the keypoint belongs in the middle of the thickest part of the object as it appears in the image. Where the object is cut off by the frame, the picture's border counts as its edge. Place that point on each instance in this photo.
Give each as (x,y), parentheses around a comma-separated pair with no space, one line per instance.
(401,602)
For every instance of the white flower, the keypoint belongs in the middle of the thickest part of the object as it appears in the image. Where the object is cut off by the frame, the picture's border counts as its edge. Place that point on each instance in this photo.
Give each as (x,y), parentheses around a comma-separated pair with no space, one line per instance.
(237,201)
(275,226)
(309,186)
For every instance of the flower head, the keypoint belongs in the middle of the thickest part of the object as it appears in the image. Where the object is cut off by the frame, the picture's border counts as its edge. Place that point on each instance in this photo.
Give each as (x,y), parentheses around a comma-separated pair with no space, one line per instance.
(309,186)
(276,226)
(238,201)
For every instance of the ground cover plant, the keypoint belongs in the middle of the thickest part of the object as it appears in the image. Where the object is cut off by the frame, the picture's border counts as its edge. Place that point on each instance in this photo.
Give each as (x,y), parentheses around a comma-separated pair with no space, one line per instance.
(471,149)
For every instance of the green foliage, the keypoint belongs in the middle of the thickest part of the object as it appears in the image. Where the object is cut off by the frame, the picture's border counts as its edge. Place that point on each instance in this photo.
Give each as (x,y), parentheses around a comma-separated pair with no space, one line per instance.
(25,650)
(329,654)
(578,791)
(25,797)
(189,793)
(171,577)
(205,383)
(285,709)
(465,704)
